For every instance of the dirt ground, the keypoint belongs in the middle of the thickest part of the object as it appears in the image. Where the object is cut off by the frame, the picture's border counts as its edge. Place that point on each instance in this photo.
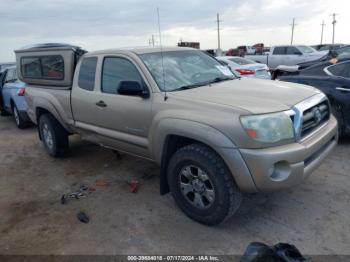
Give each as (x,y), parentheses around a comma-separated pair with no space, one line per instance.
(314,216)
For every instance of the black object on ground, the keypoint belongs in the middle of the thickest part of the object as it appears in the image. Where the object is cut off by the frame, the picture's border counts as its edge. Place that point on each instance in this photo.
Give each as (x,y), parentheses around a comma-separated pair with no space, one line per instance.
(281,252)
(83,217)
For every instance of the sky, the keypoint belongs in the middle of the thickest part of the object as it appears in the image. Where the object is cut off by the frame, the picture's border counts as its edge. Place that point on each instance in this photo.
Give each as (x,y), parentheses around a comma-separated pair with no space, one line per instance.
(103,24)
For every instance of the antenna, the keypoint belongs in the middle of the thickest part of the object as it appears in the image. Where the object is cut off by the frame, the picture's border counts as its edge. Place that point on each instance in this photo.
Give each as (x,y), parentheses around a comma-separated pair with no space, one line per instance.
(161,53)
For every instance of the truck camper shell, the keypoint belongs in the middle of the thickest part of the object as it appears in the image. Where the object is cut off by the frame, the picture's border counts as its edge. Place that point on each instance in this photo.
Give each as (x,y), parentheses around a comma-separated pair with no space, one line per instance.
(50,64)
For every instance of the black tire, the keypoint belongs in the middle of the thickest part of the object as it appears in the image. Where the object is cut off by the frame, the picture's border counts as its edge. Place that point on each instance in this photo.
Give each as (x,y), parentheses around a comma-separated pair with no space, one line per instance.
(3,112)
(338,115)
(49,127)
(227,197)
(20,122)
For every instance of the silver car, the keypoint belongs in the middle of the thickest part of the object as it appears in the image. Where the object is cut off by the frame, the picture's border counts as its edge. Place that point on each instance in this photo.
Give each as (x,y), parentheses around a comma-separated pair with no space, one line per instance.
(246,67)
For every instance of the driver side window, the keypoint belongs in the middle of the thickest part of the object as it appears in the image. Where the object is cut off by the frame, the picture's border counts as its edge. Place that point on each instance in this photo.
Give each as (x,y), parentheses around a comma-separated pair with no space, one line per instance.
(115,70)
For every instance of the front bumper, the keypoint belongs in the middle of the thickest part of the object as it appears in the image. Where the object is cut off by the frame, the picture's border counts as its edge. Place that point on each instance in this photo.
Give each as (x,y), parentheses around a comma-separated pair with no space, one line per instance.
(288,165)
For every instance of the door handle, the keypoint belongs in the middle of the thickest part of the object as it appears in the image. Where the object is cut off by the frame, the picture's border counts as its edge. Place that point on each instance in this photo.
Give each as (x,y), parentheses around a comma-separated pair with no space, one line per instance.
(342,89)
(101,104)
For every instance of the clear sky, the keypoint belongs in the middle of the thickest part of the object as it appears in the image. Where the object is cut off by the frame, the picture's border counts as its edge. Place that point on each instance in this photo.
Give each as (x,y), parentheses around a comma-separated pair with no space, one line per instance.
(101,24)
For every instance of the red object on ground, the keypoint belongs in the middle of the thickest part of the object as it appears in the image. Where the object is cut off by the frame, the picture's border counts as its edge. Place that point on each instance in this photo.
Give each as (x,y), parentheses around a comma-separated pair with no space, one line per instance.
(134,186)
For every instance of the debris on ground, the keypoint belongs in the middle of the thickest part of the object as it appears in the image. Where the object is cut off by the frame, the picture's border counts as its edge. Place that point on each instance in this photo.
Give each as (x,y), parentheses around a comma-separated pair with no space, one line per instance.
(83,191)
(117,154)
(101,183)
(134,185)
(82,217)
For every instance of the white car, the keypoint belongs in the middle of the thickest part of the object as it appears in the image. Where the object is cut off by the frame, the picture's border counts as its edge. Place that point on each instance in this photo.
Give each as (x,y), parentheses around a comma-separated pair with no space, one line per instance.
(246,67)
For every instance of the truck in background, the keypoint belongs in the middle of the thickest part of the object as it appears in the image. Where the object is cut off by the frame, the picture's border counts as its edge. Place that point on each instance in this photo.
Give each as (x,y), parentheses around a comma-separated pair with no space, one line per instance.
(288,55)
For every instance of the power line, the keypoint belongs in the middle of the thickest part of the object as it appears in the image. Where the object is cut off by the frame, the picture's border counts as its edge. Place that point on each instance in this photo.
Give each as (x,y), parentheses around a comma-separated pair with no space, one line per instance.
(293,26)
(322,25)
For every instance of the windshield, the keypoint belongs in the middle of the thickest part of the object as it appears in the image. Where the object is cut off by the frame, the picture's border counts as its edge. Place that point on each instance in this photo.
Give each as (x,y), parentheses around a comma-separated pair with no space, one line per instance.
(187,68)
(306,49)
(344,50)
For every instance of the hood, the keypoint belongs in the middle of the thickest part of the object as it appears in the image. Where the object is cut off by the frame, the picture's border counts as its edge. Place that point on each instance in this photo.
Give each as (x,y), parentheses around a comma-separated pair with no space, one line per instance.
(254,95)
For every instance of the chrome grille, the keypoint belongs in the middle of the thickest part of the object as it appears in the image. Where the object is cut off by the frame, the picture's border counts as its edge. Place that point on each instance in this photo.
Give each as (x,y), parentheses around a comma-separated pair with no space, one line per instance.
(314,117)
(308,115)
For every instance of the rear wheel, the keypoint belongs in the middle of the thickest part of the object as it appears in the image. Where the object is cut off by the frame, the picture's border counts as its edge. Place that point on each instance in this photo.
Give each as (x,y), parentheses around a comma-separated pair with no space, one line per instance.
(202,185)
(20,122)
(53,135)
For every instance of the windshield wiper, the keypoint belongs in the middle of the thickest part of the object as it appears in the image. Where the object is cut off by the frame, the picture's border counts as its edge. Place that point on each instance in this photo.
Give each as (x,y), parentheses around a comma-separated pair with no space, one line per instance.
(191,86)
(215,80)
(220,79)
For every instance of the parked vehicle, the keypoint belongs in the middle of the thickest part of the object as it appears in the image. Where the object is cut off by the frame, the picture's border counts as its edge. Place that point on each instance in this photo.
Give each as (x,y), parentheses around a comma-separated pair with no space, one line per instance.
(245,67)
(328,47)
(334,81)
(246,50)
(213,134)
(12,99)
(345,50)
(287,55)
(259,48)
(3,66)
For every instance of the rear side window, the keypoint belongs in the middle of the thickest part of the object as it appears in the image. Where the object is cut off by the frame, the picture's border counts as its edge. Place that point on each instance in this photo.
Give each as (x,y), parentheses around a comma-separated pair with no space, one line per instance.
(116,70)
(342,69)
(87,73)
(52,67)
(43,67)
(279,50)
(31,67)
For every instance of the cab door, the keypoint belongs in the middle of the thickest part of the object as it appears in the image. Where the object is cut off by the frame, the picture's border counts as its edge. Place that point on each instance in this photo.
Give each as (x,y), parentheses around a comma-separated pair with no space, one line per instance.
(278,57)
(121,121)
(293,56)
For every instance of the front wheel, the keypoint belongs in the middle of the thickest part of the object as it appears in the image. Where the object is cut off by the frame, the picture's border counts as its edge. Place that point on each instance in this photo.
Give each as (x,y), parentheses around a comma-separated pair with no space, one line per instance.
(53,135)
(202,185)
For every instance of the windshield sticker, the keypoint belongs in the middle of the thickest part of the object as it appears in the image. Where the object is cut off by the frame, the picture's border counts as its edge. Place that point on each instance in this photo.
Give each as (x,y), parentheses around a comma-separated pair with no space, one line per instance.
(225,70)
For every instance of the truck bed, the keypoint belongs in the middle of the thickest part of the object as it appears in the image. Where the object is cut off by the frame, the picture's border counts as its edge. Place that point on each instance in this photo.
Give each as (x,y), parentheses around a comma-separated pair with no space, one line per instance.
(59,100)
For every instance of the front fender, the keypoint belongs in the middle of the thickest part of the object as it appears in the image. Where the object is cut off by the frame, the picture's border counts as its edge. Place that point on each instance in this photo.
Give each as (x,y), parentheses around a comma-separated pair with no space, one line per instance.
(207,135)
(190,129)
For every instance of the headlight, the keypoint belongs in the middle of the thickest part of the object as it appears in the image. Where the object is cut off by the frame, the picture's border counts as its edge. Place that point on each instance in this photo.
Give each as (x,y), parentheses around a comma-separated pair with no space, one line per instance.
(268,128)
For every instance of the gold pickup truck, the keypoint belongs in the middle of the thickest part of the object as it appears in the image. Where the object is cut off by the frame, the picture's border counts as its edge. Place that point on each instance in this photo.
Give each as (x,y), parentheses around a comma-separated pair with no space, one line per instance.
(213,134)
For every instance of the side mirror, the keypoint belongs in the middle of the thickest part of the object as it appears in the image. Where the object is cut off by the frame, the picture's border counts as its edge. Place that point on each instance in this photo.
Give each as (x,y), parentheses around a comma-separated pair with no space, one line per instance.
(132,88)
(297,53)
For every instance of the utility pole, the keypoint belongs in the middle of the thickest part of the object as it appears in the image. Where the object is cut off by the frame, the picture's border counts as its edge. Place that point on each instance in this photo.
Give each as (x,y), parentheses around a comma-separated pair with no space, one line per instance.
(322,25)
(293,26)
(333,23)
(153,40)
(218,23)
